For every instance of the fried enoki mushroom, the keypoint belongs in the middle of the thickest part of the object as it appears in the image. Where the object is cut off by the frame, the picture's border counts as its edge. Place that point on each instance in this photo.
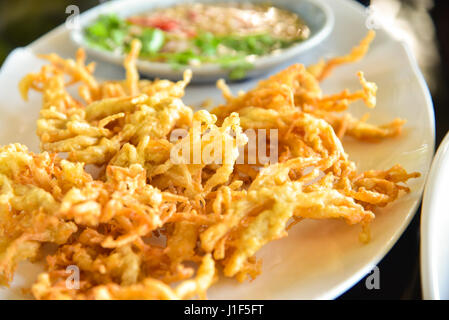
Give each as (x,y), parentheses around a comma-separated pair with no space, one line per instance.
(101,227)
(323,69)
(32,187)
(52,286)
(174,203)
(195,164)
(298,87)
(113,113)
(318,182)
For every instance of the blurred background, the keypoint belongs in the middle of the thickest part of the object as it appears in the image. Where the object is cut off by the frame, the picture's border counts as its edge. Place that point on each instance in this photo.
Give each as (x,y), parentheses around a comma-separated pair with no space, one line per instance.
(424,24)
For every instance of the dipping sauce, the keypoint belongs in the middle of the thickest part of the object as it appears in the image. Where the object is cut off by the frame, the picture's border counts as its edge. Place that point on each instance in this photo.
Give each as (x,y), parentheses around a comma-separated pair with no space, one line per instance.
(232,35)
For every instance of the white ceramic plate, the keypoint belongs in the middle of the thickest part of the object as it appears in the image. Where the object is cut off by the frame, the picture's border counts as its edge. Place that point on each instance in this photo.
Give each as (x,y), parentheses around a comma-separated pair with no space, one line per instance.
(319,259)
(316,14)
(435,228)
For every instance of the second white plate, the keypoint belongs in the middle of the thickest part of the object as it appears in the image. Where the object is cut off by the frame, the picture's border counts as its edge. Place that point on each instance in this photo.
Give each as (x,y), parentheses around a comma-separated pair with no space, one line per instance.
(435,228)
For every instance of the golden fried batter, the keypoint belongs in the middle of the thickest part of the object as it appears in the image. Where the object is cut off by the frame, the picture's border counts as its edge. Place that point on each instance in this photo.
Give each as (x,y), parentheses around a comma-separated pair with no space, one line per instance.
(170,209)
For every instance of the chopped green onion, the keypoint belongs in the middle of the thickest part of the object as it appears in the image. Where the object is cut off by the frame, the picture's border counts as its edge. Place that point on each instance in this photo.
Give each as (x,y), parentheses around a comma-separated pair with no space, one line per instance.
(98,30)
(152,40)
(207,43)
